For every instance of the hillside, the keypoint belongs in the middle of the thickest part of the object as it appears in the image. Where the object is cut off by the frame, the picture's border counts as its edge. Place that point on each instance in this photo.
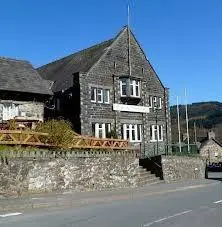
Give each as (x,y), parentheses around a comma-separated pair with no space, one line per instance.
(207,115)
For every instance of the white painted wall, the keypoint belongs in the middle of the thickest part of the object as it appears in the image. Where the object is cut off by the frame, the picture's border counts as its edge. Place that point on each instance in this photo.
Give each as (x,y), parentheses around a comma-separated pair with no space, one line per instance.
(16,109)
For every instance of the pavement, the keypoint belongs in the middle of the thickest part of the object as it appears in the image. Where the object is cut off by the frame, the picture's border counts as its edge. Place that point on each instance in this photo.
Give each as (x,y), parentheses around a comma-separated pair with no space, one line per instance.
(191,203)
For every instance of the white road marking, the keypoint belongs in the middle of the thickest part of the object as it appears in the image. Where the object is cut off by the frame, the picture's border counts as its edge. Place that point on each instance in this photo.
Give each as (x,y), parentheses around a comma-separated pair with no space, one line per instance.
(37,198)
(219,201)
(166,218)
(9,215)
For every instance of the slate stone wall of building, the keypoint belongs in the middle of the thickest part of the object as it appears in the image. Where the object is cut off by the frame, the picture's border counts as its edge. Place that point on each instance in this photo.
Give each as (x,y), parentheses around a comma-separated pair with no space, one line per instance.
(180,168)
(105,74)
(212,151)
(82,172)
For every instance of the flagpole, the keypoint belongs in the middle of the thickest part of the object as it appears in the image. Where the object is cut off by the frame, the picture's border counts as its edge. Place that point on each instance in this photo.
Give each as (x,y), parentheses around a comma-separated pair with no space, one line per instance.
(195,132)
(187,122)
(128,15)
(178,123)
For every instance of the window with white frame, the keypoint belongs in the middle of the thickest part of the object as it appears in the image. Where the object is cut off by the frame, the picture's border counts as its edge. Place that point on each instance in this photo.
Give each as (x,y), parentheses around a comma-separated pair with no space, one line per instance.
(129,87)
(155,102)
(135,88)
(93,94)
(132,132)
(106,96)
(123,87)
(160,102)
(101,130)
(100,95)
(156,133)
(151,101)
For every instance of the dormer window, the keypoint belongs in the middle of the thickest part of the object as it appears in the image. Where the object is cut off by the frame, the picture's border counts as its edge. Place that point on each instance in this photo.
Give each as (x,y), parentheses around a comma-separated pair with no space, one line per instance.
(130,88)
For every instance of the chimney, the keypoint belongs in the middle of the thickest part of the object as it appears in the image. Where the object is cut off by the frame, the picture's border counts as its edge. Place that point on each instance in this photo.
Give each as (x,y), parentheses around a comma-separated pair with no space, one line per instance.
(211,135)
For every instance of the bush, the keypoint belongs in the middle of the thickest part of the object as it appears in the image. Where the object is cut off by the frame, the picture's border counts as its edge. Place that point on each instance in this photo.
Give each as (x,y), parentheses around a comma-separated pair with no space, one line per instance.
(60,132)
(12,125)
(112,134)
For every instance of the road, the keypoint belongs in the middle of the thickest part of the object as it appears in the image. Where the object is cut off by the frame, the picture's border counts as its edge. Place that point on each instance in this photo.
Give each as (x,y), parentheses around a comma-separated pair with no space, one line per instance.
(197,206)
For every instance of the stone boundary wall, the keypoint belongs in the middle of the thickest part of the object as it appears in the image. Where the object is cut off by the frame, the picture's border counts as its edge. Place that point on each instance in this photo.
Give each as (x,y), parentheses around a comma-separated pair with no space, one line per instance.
(65,154)
(180,168)
(21,172)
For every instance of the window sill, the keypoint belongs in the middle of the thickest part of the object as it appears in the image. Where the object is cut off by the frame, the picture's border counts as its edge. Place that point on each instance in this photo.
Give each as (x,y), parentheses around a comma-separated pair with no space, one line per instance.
(130,97)
(155,108)
(155,141)
(101,103)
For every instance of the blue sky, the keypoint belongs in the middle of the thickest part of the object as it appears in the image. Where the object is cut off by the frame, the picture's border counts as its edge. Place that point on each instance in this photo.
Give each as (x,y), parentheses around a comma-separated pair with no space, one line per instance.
(181,38)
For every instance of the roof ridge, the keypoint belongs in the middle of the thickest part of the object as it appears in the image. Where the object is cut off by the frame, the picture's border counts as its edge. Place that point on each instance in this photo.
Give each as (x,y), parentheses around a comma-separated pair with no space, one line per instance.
(85,49)
(217,142)
(113,40)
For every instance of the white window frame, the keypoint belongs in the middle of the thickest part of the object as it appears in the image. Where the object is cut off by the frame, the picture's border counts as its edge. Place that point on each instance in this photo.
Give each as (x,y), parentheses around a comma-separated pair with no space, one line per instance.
(10,111)
(151,101)
(108,93)
(135,84)
(100,94)
(157,128)
(155,104)
(131,128)
(160,103)
(121,87)
(95,94)
(101,127)
(130,83)
(160,135)
(139,127)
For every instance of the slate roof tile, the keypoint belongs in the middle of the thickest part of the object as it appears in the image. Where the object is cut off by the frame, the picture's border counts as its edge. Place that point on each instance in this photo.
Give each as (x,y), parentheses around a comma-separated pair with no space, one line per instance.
(61,71)
(18,75)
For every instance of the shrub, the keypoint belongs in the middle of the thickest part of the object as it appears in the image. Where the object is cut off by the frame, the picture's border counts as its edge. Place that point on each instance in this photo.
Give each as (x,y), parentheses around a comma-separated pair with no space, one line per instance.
(60,132)
(112,134)
(12,125)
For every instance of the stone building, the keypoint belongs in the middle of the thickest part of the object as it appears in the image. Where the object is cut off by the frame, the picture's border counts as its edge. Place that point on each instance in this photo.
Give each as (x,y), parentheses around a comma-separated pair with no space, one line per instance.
(22,91)
(112,87)
(211,149)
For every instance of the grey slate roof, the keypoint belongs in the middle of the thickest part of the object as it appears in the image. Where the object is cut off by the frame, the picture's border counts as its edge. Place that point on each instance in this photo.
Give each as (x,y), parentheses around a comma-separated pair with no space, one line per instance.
(17,75)
(61,71)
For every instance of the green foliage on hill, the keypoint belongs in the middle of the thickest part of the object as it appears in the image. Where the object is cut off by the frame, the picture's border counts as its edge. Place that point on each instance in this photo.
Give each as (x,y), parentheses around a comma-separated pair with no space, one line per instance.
(206,114)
